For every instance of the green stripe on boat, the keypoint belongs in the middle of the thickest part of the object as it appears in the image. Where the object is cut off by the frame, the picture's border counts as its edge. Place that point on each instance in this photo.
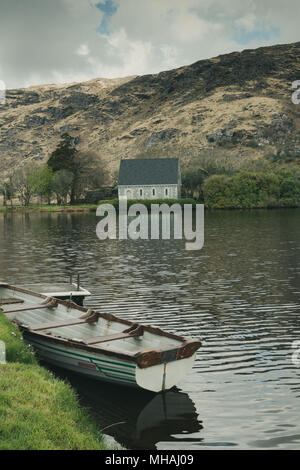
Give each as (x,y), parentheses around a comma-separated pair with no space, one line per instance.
(82,355)
(115,370)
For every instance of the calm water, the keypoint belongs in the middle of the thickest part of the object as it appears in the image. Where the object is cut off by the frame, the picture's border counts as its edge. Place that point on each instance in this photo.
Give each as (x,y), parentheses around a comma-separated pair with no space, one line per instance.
(240,294)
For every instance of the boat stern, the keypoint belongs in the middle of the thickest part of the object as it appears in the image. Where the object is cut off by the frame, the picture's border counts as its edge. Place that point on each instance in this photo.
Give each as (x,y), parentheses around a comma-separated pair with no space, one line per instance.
(161,370)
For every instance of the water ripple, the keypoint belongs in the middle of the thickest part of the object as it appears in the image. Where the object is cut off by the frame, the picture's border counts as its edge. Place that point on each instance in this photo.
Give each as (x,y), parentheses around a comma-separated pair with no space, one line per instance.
(239,294)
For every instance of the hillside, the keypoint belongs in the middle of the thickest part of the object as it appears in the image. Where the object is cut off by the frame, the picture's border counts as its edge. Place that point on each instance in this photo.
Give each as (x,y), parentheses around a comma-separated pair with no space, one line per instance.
(237,104)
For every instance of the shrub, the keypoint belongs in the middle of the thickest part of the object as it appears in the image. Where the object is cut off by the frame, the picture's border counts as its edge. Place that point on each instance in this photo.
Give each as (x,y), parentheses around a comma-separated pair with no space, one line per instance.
(289,187)
(253,190)
(215,190)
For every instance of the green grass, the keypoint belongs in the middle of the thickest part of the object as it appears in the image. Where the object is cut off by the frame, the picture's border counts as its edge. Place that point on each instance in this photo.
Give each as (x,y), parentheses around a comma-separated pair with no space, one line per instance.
(37,410)
(52,208)
(16,348)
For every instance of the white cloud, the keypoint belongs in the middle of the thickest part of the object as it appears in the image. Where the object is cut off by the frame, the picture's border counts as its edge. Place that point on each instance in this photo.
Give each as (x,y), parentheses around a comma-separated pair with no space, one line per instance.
(169,55)
(132,53)
(59,41)
(248,22)
(189,28)
(124,56)
(83,49)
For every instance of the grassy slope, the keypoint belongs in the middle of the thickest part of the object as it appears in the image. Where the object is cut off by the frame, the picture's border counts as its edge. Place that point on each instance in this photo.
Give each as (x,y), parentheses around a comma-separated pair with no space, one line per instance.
(77,208)
(37,410)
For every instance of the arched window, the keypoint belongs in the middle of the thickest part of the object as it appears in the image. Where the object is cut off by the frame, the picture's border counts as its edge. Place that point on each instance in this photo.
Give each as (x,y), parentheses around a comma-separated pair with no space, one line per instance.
(141,192)
(166,191)
(153,192)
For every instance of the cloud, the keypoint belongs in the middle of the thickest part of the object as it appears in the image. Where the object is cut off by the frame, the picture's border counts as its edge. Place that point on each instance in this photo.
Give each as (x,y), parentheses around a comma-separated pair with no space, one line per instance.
(74,40)
(83,49)
(247,22)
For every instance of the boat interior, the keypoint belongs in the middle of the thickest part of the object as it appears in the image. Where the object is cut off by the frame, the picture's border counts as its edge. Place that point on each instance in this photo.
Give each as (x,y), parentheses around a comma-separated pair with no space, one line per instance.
(48,316)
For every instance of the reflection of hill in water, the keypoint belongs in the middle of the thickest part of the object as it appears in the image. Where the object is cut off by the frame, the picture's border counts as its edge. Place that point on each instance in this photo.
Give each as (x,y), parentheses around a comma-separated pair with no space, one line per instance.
(145,418)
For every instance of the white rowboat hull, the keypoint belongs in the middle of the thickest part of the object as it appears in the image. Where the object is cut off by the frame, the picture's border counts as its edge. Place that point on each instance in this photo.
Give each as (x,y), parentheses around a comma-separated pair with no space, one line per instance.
(102,368)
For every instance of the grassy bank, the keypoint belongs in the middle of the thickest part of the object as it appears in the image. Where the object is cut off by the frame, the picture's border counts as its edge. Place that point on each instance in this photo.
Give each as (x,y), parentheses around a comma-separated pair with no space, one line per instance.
(66,208)
(37,410)
(244,190)
(148,202)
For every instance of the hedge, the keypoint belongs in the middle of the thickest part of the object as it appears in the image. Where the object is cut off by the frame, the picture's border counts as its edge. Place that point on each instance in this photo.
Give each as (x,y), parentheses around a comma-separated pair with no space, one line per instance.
(280,188)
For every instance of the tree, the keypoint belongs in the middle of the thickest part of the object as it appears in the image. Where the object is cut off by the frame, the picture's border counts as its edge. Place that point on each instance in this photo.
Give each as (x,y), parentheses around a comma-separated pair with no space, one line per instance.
(7,189)
(41,182)
(89,173)
(61,185)
(192,181)
(86,167)
(63,156)
(23,183)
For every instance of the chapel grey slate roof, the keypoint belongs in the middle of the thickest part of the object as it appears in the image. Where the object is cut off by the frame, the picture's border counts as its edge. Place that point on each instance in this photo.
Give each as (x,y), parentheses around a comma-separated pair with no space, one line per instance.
(143,171)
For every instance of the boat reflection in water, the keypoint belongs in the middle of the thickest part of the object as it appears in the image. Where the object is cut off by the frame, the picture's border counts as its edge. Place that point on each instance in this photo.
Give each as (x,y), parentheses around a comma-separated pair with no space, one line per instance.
(137,419)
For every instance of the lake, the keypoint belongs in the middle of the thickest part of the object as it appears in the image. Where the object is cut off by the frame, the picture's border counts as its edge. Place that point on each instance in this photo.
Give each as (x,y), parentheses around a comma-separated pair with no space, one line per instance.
(239,294)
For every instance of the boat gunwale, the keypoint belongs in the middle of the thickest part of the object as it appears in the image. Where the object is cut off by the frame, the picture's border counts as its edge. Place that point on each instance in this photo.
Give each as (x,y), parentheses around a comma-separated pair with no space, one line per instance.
(82,292)
(145,358)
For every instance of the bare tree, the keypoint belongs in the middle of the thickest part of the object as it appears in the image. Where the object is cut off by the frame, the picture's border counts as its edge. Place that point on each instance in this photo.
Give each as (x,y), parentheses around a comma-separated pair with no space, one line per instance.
(89,173)
(61,185)
(22,182)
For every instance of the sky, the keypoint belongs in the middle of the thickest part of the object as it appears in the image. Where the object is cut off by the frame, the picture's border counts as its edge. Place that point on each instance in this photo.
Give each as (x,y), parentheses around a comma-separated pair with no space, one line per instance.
(65,41)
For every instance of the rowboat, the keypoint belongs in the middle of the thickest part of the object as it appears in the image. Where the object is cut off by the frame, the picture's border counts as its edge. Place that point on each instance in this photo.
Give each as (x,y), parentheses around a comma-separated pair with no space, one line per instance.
(64,291)
(97,344)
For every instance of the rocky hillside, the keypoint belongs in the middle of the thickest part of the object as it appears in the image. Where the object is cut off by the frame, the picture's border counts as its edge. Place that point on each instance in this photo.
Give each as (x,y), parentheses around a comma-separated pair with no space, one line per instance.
(237,104)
